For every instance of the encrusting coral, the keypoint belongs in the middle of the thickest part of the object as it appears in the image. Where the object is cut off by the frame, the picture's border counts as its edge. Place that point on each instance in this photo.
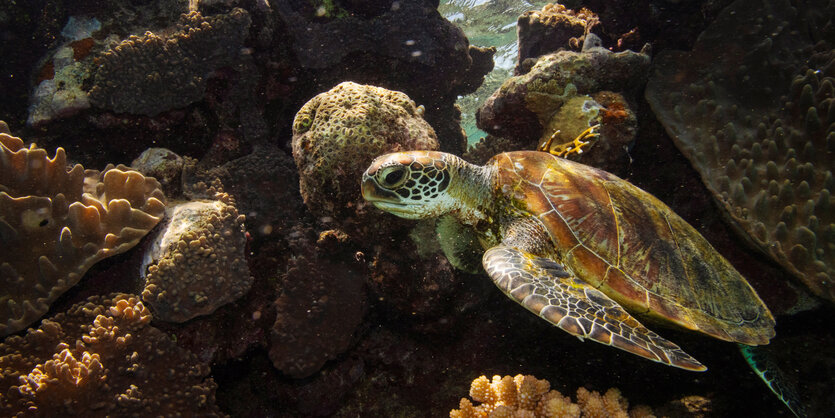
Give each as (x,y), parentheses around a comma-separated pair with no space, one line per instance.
(196,262)
(529,397)
(565,93)
(337,133)
(552,28)
(320,304)
(56,222)
(753,111)
(153,73)
(102,358)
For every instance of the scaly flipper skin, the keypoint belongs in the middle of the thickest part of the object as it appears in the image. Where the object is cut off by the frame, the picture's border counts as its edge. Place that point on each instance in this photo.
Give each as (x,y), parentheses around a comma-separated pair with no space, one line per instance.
(545,288)
(769,371)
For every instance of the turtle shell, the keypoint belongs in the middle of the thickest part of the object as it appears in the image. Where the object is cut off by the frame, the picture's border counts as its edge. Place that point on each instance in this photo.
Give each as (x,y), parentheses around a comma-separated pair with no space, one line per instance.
(631,246)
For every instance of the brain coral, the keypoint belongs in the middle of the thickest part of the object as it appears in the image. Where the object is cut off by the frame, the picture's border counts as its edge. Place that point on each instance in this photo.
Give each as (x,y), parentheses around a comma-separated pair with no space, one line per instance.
(56,222)
(527,396)
(196,262)
(337,133)
(153,73)
(102,358)
(753,111)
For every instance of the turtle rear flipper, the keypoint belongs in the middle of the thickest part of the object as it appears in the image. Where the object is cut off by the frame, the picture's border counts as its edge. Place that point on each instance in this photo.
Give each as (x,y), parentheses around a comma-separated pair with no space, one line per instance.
(547,289)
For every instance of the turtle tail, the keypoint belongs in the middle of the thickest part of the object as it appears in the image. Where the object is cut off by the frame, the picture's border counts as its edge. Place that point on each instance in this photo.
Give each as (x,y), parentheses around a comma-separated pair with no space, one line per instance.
(762,362)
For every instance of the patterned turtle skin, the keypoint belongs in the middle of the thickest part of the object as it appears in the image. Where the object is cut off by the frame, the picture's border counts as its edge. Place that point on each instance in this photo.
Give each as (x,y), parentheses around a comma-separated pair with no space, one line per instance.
(580,247)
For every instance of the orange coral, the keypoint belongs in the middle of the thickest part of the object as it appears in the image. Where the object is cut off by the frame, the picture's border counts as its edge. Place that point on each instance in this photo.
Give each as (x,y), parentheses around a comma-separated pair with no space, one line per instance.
(526,396)
(100,358)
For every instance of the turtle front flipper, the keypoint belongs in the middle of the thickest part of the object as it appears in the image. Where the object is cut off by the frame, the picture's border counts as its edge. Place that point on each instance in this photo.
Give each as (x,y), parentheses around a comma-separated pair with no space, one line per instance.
(547,289)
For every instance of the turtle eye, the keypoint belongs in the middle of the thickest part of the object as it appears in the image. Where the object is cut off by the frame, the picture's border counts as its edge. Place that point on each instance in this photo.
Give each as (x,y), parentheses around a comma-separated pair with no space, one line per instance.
(392,177)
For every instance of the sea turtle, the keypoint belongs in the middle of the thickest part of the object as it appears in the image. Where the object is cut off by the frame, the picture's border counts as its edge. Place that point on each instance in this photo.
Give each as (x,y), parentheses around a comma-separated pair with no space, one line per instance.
(579,247)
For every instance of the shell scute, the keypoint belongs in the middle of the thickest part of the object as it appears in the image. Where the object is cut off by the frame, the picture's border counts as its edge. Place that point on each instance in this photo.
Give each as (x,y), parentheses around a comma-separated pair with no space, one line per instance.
(632,247)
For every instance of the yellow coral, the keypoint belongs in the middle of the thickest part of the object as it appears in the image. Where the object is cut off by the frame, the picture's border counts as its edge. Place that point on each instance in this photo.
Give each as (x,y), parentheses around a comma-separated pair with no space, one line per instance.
(529,397)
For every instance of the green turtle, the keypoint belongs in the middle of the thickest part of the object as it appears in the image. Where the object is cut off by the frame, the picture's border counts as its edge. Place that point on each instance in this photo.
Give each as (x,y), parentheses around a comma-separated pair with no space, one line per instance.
(579,247)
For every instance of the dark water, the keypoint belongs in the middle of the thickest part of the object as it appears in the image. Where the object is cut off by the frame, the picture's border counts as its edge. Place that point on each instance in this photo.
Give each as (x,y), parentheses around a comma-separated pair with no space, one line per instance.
(231,266)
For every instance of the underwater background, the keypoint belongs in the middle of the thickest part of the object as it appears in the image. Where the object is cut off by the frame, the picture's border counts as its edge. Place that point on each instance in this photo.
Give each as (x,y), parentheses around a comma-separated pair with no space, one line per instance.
(182,230)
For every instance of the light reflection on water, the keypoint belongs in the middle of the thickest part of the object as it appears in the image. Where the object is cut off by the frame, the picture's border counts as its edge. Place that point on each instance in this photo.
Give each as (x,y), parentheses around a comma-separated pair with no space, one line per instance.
(487,23)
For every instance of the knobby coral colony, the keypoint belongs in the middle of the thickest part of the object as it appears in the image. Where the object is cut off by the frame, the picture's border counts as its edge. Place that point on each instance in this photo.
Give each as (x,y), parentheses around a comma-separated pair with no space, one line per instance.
(527,396)
(196,262)
(337,133)
(56,222)
(102,358)
(152,73)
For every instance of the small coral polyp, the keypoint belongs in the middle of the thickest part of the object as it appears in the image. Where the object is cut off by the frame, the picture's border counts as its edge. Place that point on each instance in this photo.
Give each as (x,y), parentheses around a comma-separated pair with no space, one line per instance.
(57,221)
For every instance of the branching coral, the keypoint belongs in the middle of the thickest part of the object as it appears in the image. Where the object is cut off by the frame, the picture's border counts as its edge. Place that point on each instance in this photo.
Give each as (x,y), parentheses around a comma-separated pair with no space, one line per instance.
(529,397)
(102,357)
(153,73)
(56,222)
(337,133)
(753,111)
(196,262)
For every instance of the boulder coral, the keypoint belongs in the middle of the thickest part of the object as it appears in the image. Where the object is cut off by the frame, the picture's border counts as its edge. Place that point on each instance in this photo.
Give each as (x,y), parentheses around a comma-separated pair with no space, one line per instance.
(196,262)
(99,358)
(527,396)
(57,221)
(337,133)
(753,111)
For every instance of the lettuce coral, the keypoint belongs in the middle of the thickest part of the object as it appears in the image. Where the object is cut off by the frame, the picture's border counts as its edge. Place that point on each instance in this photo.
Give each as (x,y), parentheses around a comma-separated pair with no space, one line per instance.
(57,222)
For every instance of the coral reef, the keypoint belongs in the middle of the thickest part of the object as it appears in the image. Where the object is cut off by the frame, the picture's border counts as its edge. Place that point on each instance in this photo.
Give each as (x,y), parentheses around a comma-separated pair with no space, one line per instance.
(320,304)
(337,133)
(759,129)
(565,93)
(553,28)
(405,46)
(57,222)
(196,262)
(265,185)
(102,357)
(153,73)
(164,165)
(527,396)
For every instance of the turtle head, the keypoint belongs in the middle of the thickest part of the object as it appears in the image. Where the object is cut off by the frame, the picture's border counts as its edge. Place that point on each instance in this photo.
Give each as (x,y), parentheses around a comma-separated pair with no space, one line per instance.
(411,185)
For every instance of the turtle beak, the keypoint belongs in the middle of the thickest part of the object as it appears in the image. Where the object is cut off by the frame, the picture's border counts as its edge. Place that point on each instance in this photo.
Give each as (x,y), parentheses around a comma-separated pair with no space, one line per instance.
(371,191)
